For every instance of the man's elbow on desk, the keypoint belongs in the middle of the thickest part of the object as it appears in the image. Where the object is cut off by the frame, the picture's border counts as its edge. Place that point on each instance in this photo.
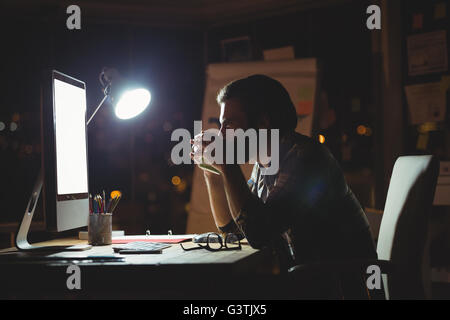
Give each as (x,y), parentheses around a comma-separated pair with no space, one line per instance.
(256,239)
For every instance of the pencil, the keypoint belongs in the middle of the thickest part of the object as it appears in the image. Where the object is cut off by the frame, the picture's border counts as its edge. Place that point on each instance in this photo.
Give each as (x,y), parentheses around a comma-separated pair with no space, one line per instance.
(104,202)
(115,203)
(94,205)
(99,206)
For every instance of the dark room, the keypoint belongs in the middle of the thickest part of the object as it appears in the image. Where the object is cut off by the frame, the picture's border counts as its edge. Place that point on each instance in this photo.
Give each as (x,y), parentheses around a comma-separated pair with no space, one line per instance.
(229,155)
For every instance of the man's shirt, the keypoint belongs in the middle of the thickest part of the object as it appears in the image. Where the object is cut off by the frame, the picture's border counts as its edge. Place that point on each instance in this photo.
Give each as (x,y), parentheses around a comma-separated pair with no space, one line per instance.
(306,211)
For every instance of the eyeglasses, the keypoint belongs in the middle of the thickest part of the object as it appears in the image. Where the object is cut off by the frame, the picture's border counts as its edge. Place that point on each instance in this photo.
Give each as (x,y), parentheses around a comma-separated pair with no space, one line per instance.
(215,242)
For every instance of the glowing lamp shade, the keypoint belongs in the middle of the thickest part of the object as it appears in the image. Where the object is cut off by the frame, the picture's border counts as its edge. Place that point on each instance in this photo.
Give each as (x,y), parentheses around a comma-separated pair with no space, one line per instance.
(132,103)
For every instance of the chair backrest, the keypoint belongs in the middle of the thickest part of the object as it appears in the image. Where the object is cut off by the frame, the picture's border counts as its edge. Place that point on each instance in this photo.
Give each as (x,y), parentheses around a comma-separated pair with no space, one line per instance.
(403,232)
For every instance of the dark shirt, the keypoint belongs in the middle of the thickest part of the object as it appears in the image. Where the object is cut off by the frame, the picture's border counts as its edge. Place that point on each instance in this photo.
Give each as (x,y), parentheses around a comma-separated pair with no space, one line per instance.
(306,212)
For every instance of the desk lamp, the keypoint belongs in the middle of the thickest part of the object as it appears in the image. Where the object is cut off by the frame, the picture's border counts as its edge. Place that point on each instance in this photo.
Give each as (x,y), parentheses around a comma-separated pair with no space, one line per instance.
(127,98)
(128,101)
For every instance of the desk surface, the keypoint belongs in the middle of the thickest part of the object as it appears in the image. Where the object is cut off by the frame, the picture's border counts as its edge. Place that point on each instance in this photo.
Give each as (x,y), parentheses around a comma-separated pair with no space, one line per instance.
(173,255)
(174,273)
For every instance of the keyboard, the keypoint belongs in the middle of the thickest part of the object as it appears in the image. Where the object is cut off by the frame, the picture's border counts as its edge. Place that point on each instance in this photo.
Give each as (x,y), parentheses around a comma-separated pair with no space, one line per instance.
(140,247)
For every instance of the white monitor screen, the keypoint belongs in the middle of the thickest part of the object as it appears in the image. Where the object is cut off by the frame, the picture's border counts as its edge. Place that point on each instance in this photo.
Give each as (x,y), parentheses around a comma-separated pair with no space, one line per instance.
(70,130)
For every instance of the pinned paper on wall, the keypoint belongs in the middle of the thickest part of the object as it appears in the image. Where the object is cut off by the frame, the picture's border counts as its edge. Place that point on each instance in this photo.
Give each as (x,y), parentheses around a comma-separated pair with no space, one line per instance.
(284,53)
(445,83)
(422,141)
(305,103)
(440,10)
(426,102)
(427,127)
(417,21)
(427,53)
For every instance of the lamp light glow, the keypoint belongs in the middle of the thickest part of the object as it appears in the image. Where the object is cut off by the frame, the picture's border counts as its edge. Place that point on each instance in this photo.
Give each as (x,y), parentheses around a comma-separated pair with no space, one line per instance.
(132,103)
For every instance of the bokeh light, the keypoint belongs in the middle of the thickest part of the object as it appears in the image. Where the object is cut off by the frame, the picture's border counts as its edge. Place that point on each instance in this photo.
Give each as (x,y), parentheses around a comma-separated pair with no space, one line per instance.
(167,126)
(16,117)
(344,138)
(321,138)
(13,126)
(181,187)
(361,130)
(115,193)
(176,180)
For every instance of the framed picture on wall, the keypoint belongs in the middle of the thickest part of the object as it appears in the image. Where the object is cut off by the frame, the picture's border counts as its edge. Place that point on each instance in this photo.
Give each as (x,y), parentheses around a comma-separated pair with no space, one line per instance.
(236,49)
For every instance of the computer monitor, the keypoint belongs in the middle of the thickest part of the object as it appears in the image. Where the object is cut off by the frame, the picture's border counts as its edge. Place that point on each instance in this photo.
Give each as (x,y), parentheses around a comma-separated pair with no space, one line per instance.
(64,156)
(64,171)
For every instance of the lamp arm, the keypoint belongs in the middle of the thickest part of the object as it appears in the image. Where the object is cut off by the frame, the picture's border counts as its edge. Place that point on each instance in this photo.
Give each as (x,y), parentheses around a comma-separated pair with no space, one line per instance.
(98,107)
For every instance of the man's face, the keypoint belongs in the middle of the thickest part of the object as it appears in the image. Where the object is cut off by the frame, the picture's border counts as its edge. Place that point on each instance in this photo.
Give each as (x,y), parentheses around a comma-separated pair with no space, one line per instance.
(232,116)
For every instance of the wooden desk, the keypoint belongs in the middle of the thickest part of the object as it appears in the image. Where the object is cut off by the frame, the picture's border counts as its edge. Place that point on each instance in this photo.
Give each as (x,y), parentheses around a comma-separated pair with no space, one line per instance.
(173,274)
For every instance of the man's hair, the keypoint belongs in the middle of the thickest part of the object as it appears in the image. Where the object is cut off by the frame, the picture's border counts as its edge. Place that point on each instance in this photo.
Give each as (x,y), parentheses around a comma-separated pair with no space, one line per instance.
(261,95)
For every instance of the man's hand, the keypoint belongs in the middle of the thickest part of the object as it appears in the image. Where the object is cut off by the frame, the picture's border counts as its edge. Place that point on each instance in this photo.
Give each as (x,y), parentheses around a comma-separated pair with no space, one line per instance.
(199,146)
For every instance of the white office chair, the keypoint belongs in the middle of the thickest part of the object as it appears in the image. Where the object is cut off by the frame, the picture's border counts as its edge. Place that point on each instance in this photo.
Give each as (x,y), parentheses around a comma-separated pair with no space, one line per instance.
(402,242)
(402,238)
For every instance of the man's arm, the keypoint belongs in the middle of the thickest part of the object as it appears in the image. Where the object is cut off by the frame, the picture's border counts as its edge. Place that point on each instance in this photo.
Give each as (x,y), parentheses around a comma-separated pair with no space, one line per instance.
(214,185)
(259,221)
(235,207)
(236,189)
(217,199)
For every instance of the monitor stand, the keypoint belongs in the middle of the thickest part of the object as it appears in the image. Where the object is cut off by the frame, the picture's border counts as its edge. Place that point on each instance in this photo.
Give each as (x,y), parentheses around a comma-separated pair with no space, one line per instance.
(22,243)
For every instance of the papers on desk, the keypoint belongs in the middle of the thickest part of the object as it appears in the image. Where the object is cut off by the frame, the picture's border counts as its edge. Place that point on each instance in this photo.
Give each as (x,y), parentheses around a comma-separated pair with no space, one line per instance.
(154,238)
(58,257)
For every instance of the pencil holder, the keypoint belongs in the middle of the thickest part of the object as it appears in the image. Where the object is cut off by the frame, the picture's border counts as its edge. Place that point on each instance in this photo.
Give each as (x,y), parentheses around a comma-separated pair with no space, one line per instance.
(100,229)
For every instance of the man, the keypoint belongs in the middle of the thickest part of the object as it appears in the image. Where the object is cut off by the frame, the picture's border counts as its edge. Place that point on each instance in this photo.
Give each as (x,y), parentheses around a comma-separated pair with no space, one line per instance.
(305,212)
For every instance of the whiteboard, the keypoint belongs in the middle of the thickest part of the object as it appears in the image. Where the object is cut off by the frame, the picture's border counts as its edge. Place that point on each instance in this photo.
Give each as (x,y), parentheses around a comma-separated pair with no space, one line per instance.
(299,77)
